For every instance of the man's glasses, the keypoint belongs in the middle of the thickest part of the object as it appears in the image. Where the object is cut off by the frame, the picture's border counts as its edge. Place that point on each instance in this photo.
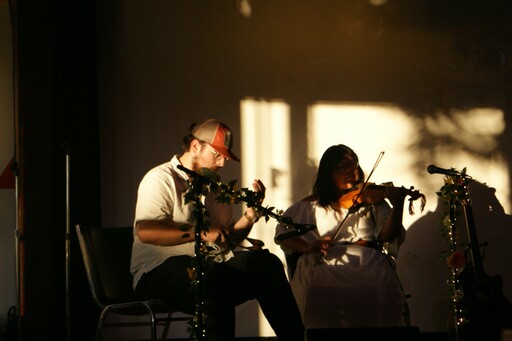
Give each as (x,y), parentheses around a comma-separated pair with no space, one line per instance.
(218,155)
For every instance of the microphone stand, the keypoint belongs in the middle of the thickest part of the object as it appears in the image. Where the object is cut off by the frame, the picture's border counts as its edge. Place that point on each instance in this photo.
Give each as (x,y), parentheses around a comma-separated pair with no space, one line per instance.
(67,241)
(199,277)
(196,186)
(18,237)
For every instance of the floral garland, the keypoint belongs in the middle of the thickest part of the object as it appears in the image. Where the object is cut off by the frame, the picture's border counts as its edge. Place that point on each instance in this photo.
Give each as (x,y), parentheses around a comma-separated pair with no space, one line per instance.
(453,193)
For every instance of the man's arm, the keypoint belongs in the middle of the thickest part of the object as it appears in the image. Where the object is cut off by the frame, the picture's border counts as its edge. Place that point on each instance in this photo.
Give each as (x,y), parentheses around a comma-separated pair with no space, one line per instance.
(160,232)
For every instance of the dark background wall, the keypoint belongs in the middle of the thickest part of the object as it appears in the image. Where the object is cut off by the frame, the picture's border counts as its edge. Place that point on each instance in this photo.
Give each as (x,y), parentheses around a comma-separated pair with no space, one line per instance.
(56,111)
(120,81)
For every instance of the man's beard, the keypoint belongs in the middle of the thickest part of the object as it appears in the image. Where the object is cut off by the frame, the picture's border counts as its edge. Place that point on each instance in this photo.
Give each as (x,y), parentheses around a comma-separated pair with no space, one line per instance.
(196,165)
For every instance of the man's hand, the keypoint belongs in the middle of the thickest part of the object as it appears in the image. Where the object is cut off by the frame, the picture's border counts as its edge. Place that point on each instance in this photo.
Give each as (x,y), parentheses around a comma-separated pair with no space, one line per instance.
(215,234)
(259,188)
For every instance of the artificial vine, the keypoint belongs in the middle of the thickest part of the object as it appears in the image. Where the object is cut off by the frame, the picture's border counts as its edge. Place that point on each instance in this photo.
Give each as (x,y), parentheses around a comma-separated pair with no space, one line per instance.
(199,185)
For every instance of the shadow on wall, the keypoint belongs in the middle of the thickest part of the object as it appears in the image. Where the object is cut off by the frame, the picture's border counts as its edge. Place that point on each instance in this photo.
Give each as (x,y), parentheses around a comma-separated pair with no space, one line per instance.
(424,274)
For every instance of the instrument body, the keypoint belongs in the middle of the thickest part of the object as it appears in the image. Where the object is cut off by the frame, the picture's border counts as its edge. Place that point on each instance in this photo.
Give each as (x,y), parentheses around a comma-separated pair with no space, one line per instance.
(363,194)
(370,193)
(483,303)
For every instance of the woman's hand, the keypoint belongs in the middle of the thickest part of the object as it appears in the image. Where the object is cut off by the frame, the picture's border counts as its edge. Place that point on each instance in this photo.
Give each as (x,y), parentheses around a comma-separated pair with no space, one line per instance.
(320,245)
(396,195)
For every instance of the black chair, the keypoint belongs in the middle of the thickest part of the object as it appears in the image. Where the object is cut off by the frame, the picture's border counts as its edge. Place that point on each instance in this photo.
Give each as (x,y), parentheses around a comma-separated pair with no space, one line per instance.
(291,262)
(106,253)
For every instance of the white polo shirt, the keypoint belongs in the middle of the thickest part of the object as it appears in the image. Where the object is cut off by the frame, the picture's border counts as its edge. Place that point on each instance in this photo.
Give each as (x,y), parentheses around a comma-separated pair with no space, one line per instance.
(161,197)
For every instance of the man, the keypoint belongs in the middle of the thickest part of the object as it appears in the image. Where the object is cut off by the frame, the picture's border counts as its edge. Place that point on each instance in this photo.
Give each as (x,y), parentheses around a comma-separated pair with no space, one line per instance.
(163,250)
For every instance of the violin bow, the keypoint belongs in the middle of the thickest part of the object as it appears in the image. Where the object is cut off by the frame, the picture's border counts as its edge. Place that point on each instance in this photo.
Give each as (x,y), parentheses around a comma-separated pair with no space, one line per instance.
(381,155)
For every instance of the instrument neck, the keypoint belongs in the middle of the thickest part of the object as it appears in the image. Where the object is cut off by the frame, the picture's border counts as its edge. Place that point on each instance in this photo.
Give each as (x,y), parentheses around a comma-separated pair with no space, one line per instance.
(476,257)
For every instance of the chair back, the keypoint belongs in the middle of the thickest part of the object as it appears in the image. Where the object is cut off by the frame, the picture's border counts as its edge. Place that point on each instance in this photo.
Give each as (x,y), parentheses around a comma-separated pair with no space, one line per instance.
(107,253)
(291,263)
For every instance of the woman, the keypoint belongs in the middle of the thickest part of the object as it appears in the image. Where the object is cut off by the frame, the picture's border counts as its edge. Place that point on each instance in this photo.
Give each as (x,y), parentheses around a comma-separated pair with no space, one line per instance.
(343,278)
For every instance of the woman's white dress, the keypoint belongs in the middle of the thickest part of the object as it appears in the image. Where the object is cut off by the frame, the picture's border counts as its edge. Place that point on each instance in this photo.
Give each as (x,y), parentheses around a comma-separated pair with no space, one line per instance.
(353,285)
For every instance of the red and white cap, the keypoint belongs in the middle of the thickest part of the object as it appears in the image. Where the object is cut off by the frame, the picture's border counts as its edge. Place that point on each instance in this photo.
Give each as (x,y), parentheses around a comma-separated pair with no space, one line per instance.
(217,135)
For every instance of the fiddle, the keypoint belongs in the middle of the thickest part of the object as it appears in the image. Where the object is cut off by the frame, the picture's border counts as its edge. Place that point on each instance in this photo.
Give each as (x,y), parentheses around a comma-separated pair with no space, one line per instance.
(370,193)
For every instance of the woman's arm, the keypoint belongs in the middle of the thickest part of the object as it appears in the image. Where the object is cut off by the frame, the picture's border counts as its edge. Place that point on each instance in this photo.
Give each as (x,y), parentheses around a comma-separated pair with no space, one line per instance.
(393,226)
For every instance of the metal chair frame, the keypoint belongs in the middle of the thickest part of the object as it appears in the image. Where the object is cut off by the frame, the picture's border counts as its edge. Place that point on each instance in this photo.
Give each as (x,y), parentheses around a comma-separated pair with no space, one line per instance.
(106,255)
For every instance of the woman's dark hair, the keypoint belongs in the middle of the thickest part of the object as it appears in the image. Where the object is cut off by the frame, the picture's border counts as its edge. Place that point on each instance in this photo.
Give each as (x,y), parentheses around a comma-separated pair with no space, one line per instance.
(324,188)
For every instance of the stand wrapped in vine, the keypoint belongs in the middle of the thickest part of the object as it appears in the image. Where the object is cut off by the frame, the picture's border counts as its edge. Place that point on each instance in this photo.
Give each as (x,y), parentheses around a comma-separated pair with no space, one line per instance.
(201,184)
(480,310)
(452,194)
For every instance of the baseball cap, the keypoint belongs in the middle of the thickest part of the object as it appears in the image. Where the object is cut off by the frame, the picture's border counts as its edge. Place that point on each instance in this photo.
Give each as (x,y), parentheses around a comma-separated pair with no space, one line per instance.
(217,135)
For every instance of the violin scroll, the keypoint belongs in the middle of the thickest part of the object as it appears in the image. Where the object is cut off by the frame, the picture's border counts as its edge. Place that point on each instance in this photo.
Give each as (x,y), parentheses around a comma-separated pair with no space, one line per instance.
(415,195)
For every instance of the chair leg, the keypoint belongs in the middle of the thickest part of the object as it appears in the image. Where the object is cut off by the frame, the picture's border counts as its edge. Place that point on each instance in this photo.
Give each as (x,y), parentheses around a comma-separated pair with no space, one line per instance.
(406,314)
(99,327)
(153,327)
(153,323)
(167,326)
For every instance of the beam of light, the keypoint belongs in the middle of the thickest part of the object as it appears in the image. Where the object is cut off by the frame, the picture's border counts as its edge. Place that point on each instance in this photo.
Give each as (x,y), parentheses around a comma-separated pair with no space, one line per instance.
(265,149)
(457,139)
(368,129)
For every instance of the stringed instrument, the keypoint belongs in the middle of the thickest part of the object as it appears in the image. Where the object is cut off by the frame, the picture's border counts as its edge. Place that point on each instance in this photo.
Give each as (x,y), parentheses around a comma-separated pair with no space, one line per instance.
(370,193)
(483,304)
(365,193)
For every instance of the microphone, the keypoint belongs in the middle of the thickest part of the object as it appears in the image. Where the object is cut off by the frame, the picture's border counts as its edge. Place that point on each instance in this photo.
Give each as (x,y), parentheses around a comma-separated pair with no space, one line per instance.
(432,169)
